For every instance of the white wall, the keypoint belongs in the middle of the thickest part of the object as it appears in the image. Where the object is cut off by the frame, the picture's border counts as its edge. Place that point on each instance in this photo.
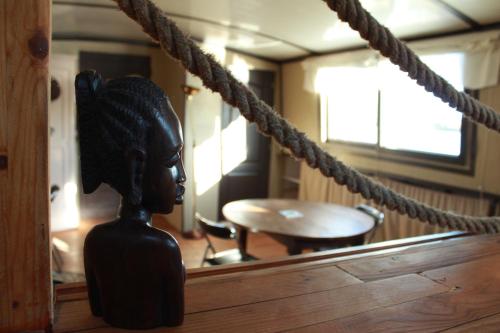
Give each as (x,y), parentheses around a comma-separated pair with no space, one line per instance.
(63,163)
(202,128)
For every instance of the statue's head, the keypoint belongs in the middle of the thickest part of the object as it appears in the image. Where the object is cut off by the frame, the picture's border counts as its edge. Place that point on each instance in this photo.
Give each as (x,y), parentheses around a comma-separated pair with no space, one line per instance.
(131,139)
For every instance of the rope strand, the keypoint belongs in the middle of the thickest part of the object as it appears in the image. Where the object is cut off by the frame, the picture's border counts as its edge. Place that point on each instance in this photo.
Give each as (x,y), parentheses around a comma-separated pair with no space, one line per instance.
(216,78)
(380,38)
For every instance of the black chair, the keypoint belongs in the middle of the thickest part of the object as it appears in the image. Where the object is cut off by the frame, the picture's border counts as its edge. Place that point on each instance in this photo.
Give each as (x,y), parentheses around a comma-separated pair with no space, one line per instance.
(56,253)
(223,230)
(378,218)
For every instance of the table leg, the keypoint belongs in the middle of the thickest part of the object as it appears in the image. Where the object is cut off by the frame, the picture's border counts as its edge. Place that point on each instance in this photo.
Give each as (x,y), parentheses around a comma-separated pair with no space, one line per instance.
(241,238)
(293,248)
(360,240)
(293,245)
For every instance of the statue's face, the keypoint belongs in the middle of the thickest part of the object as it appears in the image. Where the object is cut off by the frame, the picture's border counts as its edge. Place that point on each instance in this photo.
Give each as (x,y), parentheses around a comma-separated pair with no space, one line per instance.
(164,171)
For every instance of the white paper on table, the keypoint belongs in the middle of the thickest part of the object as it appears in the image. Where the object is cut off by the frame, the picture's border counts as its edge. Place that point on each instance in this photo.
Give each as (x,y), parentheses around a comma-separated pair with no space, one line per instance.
(290,214)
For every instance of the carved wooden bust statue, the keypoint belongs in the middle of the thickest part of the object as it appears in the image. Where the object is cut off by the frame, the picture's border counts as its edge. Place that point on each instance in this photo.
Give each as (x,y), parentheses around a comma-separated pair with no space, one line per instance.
(130,138)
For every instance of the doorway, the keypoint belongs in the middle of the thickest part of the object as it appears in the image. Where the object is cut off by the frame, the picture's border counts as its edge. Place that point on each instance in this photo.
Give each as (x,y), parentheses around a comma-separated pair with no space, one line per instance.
(245,151)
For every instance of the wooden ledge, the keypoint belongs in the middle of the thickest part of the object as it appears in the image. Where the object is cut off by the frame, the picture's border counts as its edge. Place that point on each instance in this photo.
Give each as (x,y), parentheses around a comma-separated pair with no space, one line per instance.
(78,290)
(424,283)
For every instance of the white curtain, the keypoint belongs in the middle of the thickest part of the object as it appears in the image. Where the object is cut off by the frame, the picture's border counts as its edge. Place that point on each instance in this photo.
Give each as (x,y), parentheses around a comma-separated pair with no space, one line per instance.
(481,58)
(315,187)
(313,65)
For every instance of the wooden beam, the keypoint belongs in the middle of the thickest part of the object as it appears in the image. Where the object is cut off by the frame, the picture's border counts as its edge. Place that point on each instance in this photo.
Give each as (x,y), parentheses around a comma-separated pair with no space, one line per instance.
(333,255)
(25,285)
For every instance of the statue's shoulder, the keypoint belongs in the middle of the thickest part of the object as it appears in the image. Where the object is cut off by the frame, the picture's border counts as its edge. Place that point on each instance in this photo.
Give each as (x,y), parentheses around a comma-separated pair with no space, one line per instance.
(165,238)
(100,230)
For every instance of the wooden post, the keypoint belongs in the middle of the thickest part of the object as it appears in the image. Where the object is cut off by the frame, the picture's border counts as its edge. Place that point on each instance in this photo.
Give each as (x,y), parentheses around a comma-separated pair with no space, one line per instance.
(25,285)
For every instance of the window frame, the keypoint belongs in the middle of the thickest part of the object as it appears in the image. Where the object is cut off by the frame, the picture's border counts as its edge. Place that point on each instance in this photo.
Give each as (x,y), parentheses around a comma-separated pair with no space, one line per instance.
(464,163)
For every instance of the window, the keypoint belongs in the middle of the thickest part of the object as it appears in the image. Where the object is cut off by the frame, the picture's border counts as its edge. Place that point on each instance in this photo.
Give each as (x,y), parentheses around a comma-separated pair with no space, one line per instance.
(380,106)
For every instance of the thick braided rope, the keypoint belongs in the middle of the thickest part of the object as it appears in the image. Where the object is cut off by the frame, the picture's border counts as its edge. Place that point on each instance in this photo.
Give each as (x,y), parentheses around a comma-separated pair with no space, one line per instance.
(381,39)
(216,78)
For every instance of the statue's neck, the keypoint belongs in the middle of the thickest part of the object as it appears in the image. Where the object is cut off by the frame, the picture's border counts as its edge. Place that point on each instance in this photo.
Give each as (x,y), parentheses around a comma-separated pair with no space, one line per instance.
(134,213)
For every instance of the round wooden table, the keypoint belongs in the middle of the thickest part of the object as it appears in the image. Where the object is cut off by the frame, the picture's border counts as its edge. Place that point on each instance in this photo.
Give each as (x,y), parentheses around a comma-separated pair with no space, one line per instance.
(299,224)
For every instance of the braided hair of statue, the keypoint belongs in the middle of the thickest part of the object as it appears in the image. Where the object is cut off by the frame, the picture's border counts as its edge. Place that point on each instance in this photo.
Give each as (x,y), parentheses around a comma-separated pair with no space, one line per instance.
(113,117)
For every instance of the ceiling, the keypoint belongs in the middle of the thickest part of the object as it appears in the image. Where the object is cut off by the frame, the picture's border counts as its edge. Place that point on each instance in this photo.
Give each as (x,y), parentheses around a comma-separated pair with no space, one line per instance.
(277,30)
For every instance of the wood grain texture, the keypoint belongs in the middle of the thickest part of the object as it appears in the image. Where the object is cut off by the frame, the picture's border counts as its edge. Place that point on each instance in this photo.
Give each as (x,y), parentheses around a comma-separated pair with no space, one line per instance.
(75,316)
(25,300)
(282,314)
(480,274)
(369,250)
(419,260)
(3,74)
(490,324)
(4,303)
(459,296)
(301,310)
(429,314)
(473,296)
(213,295)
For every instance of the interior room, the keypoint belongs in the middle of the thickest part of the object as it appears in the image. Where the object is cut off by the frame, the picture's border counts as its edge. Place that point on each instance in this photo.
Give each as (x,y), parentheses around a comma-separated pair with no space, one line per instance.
(248,199)
(304,67)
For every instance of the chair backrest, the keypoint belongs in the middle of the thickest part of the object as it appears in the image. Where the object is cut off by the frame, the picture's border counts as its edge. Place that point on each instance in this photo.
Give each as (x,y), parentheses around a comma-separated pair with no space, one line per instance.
(218,229)
(377,215)
(54,190)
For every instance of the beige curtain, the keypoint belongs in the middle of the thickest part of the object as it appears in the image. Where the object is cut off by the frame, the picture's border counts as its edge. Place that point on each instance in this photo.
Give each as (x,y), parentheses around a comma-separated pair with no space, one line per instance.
(315,187)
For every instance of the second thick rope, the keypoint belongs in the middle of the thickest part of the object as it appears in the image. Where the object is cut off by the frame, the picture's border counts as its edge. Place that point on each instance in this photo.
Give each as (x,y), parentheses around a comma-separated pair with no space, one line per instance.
(215,77)
(380,38)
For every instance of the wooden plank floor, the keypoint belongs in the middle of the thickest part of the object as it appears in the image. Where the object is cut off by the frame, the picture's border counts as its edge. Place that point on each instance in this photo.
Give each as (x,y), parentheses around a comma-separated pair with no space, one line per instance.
(451,285)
